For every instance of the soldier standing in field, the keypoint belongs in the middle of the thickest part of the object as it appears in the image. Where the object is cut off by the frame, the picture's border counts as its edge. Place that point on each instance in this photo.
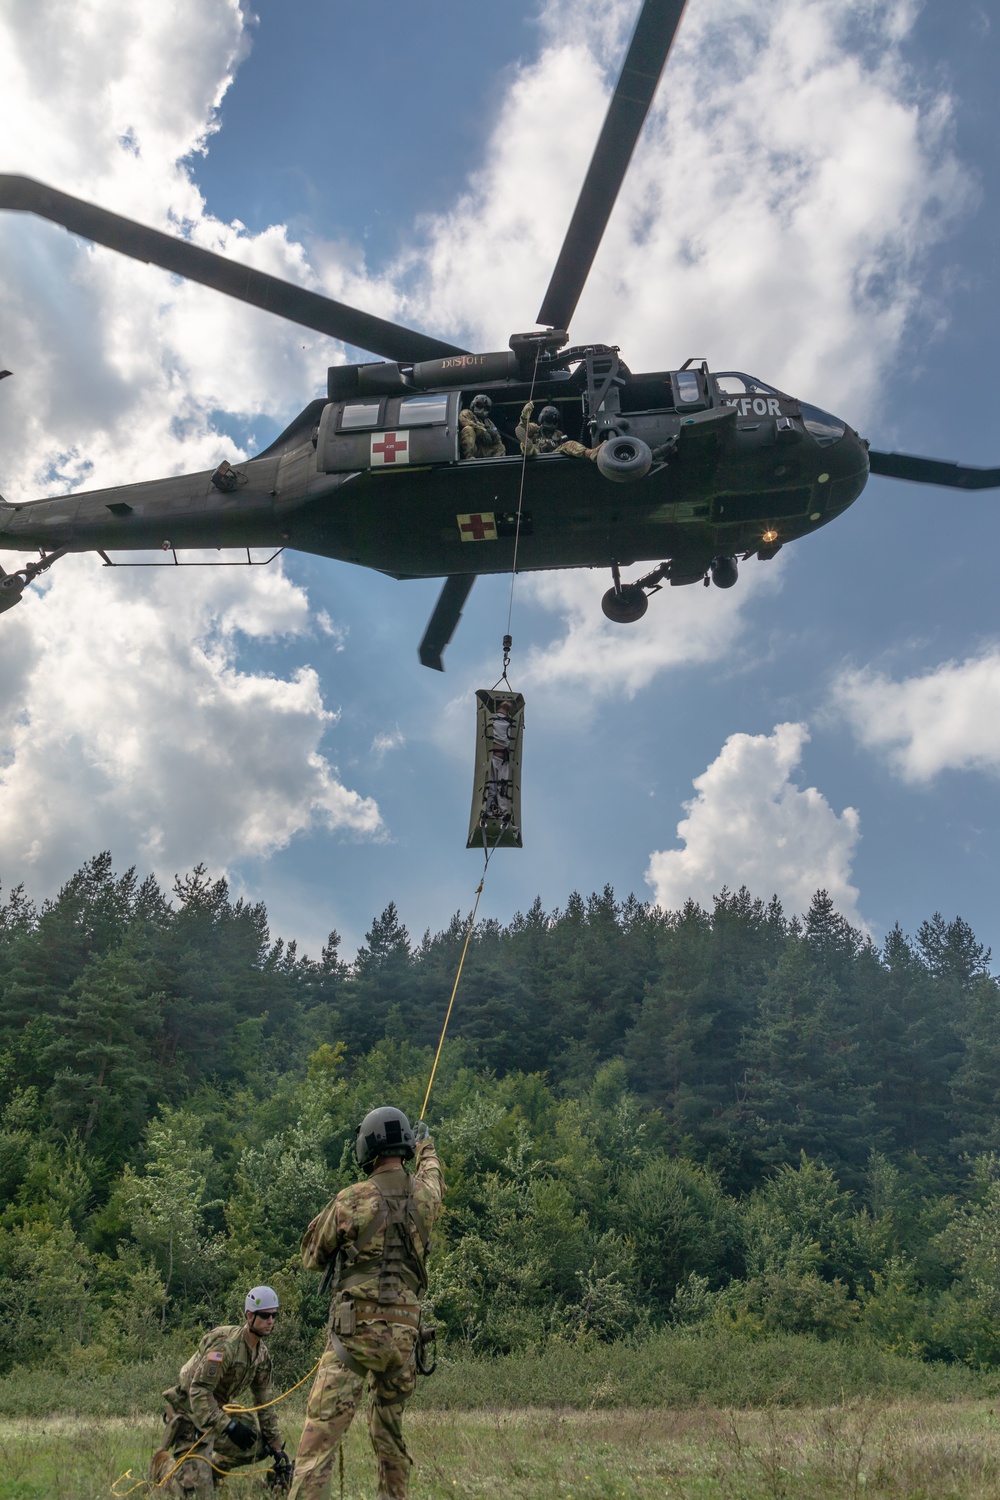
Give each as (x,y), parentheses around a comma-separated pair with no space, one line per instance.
(231,1363)
(546,436)
(376,1235)
(478,436)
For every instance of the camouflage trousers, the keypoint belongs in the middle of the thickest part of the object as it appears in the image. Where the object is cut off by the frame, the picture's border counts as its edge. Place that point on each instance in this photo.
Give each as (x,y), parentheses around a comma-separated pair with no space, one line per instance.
(386,1351)
(195,1478)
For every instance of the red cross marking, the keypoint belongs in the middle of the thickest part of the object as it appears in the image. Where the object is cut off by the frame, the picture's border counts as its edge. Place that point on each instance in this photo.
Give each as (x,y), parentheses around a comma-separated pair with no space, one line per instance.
(479,528)
(390,445)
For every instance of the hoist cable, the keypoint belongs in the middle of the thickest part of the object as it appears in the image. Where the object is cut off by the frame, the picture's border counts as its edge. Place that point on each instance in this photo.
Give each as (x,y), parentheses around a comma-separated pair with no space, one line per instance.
(520,494)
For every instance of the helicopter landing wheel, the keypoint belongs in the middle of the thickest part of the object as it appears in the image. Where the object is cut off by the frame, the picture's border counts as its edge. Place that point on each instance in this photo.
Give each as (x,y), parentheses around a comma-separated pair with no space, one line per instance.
(626,605)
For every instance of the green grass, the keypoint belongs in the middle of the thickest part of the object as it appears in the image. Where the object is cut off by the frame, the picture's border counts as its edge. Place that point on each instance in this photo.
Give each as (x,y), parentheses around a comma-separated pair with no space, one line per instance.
(681,1370)
(669,1369)
(914,1450)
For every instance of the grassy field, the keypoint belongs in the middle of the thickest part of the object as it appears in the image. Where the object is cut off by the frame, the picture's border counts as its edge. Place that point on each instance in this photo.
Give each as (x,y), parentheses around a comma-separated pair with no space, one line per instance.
(669,1368)
(916,1450)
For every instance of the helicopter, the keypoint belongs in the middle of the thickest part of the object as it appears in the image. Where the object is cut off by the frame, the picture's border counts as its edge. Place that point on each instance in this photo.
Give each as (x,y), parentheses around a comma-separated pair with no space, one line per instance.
(693,469)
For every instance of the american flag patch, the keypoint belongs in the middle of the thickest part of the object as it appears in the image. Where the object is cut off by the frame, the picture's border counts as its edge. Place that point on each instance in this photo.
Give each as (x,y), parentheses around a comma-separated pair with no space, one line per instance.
(215,1355)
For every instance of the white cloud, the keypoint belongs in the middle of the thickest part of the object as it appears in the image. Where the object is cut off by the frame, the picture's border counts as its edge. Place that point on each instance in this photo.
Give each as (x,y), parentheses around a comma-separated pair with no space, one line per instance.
(683,626)
(750,824)
(144,735)
(944,719)
(385,741)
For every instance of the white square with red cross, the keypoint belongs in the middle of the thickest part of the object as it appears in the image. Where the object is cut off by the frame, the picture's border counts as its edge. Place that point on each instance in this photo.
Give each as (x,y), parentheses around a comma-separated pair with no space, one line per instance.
(390,448)
(480,527)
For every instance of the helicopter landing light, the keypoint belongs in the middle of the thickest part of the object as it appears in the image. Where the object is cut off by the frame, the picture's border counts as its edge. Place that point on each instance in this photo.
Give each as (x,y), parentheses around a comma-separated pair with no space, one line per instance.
(814,516)
(769,536)
(822,479)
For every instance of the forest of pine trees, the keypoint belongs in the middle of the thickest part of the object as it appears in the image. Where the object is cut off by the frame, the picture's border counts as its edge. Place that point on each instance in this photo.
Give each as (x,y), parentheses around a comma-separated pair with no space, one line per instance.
(730,1117)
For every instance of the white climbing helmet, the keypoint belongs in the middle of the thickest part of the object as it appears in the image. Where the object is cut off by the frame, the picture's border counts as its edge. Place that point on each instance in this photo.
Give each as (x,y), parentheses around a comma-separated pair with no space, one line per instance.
(261,1299)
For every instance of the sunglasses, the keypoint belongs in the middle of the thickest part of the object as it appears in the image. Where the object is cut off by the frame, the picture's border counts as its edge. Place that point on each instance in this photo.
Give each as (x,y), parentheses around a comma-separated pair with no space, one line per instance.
(271,1314)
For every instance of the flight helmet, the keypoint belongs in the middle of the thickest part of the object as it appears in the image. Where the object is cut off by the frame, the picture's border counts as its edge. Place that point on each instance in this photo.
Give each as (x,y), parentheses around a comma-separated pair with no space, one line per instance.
(383,1132)
(481,405)
(548,418)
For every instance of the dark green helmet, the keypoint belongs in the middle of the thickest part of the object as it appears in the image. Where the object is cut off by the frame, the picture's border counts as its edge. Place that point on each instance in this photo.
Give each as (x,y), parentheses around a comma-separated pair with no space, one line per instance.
(383,1132)
(548,418)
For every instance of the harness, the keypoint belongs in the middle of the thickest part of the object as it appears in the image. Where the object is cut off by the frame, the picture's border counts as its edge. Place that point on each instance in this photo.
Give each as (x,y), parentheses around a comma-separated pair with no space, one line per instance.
(400,1269)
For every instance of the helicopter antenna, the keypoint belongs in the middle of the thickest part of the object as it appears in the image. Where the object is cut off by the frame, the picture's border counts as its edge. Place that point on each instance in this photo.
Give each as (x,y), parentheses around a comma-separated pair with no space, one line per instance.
(644,62)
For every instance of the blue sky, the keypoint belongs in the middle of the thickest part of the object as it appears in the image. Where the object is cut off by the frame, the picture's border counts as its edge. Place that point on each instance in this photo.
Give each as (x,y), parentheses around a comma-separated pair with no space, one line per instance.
(815,200)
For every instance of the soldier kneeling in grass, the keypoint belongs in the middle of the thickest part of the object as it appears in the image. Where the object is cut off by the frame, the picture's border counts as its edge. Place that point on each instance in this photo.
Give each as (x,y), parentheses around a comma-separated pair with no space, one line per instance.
(203,1439)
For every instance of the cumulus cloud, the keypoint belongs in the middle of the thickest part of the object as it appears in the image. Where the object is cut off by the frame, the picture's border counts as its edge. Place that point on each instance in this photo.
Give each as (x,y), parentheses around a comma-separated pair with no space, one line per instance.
(146,736)
(944,719)
(682,627)
(750,824)
(128,715)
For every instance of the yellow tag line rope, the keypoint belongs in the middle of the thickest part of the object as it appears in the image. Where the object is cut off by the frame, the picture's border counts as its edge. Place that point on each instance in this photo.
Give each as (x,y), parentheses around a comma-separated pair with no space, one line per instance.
(454,991)
(230,1410)
(234,1411)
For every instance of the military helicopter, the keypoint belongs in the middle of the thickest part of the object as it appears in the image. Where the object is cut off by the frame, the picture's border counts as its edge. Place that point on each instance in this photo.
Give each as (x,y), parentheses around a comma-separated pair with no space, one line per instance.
(697,468)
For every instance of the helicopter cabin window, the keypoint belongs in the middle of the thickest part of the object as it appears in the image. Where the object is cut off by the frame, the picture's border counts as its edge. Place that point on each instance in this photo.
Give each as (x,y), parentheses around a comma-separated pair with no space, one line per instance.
(358,414)
(688,388)
(423,411)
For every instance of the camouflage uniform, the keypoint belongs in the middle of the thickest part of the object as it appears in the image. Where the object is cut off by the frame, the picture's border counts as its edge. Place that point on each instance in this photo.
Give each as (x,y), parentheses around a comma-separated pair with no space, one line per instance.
(222,1371)
(478,436)
(373,1319)
(533,440)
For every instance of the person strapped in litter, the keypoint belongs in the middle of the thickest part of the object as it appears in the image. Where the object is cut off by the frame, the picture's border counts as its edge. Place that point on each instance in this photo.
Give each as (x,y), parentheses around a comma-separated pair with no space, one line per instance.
(495,821)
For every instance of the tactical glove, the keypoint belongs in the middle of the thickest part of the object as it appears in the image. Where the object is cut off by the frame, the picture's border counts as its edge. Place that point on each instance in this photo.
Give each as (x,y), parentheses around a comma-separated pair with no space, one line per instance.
(280,1476)
(420,1131)
(243,1436)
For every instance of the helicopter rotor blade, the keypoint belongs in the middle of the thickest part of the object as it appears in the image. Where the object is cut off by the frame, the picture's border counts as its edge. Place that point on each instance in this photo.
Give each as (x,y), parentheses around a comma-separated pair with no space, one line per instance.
(932,471)
(444,620)
(294,303)
(644,62)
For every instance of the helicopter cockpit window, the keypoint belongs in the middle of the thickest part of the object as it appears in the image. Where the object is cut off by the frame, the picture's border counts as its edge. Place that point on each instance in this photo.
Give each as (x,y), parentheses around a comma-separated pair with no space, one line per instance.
(423,411)
(359,414)
(735,383)
(824,428)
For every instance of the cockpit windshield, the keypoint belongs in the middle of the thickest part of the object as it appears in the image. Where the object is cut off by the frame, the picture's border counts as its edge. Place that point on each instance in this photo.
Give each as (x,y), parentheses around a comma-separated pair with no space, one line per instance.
(735,383)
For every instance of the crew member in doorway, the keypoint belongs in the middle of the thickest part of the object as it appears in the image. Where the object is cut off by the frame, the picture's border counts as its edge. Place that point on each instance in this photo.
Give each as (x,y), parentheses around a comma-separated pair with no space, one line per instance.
(546,436)
(377,1235)
(499,799)
(202,1439)
(477,433)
